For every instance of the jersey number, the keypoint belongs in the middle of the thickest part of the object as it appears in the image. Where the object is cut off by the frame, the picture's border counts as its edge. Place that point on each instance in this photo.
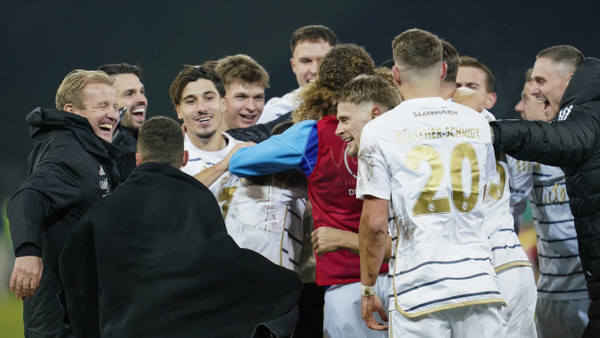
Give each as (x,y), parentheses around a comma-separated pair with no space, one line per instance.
(428,203)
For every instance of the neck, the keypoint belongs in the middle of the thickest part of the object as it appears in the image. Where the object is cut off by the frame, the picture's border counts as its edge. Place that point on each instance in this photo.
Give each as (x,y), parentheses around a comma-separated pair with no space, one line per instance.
(420,90)
(214,143)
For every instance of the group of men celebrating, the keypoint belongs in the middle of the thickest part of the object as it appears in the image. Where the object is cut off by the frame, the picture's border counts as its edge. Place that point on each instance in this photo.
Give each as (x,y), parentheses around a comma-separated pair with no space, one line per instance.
(127,227)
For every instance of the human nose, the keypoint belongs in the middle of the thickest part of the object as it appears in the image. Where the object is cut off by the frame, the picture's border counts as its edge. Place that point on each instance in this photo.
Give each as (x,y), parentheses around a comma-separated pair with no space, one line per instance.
(535,89)
(339,130)
(519,107)
(113,113)
(314,66)
(141,98)
(251,104)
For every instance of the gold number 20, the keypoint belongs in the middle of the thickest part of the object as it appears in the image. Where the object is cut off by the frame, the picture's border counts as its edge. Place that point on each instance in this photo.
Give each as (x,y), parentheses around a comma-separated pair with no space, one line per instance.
(428,203)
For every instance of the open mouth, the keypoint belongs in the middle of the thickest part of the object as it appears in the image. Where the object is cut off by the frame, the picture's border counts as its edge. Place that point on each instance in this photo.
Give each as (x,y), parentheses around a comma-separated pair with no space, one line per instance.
(248,118)
(348,140)
(105,127)
(139,112)
(204,120)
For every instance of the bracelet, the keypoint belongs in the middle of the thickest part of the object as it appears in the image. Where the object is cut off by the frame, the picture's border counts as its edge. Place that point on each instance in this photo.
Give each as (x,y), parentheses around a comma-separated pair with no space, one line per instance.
(367,291)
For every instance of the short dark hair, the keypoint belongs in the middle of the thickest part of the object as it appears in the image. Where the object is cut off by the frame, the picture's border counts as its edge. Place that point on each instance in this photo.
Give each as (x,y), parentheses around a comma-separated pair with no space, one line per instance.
(563,54)
(490,80)
(370,88)
(417,49)
(160,140)
(313,33)
(191,74)
(450,56)
(121,68)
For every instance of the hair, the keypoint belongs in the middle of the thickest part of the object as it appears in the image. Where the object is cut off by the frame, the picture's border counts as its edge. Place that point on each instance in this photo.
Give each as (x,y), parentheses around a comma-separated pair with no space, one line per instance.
(528,75)
(370,88)
(242,68)
(468,61)
(342,63)
(563,54)
(160,140)
(312,33)
(121,68)
(450,56)
(191,74)
(71,88)
(417,49)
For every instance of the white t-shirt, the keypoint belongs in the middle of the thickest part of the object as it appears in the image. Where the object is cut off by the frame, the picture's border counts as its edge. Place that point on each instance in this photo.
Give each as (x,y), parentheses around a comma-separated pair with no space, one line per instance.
(266,218)
(499,223)
(431,159)
(278,106)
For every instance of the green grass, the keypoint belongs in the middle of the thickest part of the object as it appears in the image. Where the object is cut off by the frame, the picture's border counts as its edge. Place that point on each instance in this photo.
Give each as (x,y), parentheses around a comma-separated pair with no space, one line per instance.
(11,316)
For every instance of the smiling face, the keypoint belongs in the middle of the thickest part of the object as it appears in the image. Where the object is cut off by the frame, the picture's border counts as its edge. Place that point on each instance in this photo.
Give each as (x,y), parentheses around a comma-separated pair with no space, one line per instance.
(529,107)
(201,109)
(352,119)
(99,108)
(305,59)
(474,78)
(550,79)
(131,94)
(245,102)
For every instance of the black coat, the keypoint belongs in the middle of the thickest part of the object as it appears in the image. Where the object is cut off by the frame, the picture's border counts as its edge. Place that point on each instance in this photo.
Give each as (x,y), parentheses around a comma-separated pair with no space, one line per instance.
(154,259)
(573,143)
(70,168)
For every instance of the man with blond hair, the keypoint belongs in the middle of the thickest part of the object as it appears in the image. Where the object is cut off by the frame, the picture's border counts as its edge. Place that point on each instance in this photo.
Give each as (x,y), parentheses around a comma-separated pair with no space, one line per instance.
(72,166)
(413,165)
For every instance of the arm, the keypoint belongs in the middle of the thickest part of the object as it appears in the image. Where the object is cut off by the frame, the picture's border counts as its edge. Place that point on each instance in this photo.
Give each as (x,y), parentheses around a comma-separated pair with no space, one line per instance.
(210,175)
(259,132)
(50,187)
(296,148)
(560,143)
(327,239)
(372,241)
(521,183)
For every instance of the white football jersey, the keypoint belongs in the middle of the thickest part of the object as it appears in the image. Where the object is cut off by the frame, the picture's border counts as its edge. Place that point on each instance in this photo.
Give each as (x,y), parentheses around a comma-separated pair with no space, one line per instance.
(561,275)
(432,159)
(498,222)
(278,106)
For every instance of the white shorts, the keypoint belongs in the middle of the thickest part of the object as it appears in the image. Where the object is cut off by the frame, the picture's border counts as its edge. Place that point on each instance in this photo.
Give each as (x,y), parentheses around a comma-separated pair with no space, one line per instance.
(482,320)
(341,314)
(517,285)
(561,318)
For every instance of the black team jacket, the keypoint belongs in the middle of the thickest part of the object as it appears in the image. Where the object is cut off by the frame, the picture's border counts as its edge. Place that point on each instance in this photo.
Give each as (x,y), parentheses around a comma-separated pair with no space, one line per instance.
(154,259)
(573,143)
(70,168)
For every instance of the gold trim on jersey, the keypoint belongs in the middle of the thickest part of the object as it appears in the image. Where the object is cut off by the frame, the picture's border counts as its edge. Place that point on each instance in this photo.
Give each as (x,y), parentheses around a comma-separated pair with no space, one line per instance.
(512,264)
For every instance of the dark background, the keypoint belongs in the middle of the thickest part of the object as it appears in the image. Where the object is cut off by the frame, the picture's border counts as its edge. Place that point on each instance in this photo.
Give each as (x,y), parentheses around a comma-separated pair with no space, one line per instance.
(41,41)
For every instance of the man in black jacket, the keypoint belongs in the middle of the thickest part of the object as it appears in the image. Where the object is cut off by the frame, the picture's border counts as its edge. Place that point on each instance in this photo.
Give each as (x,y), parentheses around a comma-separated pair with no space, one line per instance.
(72,165)
(569,86)
(166,267)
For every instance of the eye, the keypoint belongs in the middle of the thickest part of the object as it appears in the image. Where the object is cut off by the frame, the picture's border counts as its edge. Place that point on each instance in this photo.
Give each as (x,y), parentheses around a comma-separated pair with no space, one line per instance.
(128,93)
(189,101)
(209,98)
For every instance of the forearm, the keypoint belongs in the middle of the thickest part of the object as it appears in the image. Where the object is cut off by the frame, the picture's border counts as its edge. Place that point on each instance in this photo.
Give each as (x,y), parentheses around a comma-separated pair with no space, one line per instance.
(26,212)
(373,239)
(212,174)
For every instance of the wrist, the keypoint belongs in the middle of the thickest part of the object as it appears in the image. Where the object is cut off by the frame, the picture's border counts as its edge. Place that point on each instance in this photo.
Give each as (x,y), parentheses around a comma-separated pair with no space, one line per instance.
(367,291)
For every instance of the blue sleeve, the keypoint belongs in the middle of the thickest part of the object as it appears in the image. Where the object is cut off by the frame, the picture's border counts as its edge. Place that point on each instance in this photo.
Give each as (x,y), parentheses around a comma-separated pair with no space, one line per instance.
(296,148)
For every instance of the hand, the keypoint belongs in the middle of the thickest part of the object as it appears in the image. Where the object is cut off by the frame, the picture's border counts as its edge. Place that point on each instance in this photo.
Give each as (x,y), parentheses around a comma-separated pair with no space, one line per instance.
(326,239)
(368,305)
(468,97)
(26,276)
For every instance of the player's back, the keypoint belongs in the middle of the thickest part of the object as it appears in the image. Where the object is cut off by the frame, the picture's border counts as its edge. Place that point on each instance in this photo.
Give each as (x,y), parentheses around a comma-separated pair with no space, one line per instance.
(437,156)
